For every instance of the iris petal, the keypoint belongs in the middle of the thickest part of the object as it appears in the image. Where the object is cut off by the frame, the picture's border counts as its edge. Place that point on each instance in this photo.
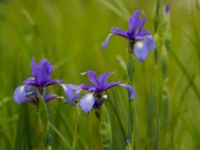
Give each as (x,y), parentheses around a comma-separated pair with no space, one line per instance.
(133,22)
(111,84)
(140,50)
(150,42)
(105,43)
(50,97)
(131,91)
(71,93)
(92,77)
(87,102)
(118,31)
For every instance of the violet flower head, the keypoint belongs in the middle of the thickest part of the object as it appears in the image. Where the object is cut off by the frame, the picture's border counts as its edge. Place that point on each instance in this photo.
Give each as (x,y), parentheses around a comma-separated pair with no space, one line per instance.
(28,92)
(167,9)
(141,40)
(95,91)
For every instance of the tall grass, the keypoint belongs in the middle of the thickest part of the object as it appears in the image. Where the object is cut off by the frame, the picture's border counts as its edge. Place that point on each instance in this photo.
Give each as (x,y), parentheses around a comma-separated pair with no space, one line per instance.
(165,113)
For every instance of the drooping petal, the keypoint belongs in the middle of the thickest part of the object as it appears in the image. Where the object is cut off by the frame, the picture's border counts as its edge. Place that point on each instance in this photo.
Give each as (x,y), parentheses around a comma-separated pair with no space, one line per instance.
(23,94)
(89,87)
(92,77)
(50,97)
(71,93)
(150,42)
(105,43)
(118,31)
(140,50)
(111,84)
(133,22)
(130,90)
(87,102)
(53,82)
(30,81)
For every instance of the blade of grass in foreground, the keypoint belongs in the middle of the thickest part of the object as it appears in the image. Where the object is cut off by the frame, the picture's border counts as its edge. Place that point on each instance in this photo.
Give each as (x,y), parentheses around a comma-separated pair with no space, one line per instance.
(23,137)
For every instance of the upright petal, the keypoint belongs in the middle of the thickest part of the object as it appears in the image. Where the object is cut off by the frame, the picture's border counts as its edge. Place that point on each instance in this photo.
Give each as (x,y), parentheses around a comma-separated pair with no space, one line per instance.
(118,31)
(131,91)
(105,43)
(42,72)
(140,50)
(92,77)
(103,78)
(72,92)
(133,22)
(150,42)
(87,102)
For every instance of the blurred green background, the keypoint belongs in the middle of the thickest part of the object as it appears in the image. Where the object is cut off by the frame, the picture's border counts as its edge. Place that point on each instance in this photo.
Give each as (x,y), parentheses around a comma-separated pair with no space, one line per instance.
(69,33)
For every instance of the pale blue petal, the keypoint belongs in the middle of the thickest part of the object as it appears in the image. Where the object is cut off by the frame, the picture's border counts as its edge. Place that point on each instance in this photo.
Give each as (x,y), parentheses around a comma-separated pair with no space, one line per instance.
(87,102)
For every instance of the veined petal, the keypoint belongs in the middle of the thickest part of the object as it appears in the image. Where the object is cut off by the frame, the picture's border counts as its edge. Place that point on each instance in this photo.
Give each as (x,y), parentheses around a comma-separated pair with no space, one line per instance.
(87,102)
(140,50)
(92,77)
(50,97)
(130,90)
(71,92)
(150,42)
(111,84)
(23,94)
(105,43)
(118,31)
(133,22)
(103,78)
(42,72)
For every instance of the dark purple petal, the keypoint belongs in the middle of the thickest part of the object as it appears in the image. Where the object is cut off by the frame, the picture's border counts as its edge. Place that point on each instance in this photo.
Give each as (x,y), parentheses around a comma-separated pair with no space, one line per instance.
(30,81)
(131,91)
(144,33)
(87,102)
(71,92)
(53,82)
(141,22)
(103,78)
(133,22)
(42,72)
(111,84)
(120,32)
(140,50)
(105,43)
(92,77)
(50,97)
(88,87)
(150,43)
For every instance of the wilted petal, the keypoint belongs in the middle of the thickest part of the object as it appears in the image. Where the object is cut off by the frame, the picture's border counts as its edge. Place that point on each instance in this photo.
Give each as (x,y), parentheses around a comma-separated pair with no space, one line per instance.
(50,97)
(105,43)
(71,93)
(133,22)
(131,91)
(140,50)
(150,42)
(87,102)
(92,77)
(111,84)
(118,31)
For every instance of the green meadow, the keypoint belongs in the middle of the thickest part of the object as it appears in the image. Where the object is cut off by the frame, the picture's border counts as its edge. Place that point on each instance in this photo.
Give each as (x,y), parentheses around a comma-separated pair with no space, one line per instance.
(165,114)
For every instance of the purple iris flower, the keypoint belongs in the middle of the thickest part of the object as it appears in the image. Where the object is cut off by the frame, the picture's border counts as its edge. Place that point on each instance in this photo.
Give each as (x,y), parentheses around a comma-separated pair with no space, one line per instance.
(141,40)
(167,9)
(28,92)
(95,96)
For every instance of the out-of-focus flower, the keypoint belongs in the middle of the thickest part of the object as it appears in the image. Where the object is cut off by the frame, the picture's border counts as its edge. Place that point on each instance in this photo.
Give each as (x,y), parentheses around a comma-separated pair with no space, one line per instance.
(95,91)
(141,40)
